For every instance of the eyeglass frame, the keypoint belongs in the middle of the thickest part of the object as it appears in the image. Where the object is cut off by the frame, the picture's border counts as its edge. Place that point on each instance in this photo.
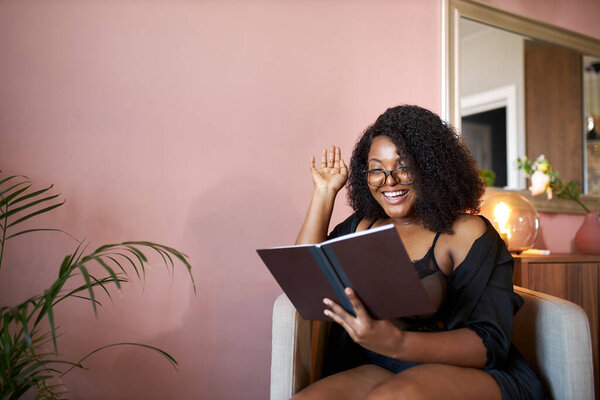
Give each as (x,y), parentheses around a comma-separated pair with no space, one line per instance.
(387,173)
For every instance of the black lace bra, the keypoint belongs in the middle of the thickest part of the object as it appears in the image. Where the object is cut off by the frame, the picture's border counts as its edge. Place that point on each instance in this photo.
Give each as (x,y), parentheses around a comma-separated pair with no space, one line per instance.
(426,265)
(432,277)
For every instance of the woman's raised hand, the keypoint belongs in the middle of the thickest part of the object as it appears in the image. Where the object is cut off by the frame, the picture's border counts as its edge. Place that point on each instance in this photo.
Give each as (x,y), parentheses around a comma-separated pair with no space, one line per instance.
(328,179)
(332,172)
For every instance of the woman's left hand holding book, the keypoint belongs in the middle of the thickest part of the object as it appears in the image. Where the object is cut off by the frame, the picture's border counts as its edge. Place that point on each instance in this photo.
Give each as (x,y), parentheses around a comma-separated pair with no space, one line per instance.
(380,336)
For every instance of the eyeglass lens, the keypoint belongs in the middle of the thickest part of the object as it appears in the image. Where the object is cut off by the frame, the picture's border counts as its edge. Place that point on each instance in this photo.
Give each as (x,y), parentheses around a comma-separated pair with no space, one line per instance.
(377,177)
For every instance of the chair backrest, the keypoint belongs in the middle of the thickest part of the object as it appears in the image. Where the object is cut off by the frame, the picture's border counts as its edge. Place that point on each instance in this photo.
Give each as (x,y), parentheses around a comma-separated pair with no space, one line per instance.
(290,351)
(554,337)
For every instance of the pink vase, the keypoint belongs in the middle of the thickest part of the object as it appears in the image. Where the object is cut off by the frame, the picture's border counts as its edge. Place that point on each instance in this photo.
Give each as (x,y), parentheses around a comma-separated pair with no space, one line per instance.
(587,238)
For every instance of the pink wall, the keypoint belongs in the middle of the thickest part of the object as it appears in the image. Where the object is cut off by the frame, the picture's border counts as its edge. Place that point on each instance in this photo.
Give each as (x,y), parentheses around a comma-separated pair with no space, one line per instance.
(191,124)
(577,15)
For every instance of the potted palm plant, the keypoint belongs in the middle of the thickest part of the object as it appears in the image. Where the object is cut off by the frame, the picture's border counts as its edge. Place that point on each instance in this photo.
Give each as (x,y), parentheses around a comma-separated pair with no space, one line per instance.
(27,328)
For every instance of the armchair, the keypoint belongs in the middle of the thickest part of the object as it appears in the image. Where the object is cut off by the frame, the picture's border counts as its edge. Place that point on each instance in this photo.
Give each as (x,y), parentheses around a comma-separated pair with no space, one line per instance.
(551,333)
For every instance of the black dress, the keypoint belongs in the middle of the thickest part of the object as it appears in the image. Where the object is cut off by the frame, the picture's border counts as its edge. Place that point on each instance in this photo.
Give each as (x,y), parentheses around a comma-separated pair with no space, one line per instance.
(479,297)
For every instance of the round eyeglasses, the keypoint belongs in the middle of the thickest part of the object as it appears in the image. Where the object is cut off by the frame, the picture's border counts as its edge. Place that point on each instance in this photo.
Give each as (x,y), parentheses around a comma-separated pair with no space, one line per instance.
(378,177)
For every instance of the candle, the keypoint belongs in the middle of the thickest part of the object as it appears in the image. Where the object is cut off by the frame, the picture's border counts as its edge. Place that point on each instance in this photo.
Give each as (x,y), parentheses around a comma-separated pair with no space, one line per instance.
(501,215)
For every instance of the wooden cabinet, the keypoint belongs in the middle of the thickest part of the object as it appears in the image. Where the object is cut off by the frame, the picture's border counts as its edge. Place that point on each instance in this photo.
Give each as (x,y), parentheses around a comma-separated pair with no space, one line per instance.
(574,277)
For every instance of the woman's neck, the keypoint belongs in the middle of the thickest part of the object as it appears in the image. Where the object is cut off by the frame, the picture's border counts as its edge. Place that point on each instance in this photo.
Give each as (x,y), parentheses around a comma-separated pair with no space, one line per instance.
(402,221)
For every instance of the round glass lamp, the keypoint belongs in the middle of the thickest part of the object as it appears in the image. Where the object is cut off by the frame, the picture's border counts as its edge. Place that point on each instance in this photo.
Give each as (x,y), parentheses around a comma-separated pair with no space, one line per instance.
(515,219)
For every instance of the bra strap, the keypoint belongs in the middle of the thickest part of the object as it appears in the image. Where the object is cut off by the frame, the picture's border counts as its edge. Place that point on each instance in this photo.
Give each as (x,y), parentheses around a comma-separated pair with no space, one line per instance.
(437,236)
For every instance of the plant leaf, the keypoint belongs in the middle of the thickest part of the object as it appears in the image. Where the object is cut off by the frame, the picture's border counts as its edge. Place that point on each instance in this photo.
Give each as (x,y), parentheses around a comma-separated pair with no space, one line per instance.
(52,207)
(159,351)
(30,195)
(86,277)
(11,177)
(50,313)
(36,230)
(118,264)
(24,319)
(109,270)
(28,205)
(6,198)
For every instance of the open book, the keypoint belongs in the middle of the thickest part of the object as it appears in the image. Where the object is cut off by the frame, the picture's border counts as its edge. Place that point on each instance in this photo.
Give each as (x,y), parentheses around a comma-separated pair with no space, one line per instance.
(373,262)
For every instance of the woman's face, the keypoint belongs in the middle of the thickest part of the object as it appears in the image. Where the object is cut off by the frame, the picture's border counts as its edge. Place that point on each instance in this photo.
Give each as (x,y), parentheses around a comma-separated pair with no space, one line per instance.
(397,200)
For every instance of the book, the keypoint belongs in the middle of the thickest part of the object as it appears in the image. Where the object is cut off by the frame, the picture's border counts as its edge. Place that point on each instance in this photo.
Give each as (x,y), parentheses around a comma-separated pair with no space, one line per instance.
(374,263)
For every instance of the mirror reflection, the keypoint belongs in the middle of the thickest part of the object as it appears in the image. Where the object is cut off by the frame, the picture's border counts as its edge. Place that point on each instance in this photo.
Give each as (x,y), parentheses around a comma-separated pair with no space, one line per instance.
(520,96)
(591,101)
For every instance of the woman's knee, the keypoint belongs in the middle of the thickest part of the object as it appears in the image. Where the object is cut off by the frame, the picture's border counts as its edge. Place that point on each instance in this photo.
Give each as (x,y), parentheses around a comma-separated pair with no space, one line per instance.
(348,385)
(397,389)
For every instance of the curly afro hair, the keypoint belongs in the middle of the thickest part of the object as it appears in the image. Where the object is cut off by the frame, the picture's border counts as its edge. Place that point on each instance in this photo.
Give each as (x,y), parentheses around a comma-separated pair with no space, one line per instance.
(447,180)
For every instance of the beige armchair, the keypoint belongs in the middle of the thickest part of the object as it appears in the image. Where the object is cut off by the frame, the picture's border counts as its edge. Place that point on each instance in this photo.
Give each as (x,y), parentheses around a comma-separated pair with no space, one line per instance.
(553,335)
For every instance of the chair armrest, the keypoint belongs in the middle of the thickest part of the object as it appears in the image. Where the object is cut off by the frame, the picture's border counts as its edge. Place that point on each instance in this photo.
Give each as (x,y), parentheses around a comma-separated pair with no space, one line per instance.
(290,351)
(554,336)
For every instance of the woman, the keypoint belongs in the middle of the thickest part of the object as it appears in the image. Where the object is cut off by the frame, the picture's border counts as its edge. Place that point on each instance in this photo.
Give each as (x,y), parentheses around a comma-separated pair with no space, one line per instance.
(412,170)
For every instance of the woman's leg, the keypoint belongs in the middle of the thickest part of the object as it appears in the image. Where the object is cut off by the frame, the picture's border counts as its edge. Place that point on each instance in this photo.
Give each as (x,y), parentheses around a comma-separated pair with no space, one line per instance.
(352,384)
(437,381)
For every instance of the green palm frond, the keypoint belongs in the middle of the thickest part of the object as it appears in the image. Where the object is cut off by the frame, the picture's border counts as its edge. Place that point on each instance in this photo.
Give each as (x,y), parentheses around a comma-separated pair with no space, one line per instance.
(24,364)
(19,203)
(145,346)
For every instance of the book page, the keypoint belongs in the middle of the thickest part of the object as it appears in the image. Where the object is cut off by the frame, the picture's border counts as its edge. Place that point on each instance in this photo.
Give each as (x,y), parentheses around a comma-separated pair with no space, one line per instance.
(361,233)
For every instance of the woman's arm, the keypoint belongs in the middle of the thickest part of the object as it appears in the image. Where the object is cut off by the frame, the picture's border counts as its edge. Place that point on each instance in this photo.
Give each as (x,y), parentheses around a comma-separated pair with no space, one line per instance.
(328,179)
(460,347)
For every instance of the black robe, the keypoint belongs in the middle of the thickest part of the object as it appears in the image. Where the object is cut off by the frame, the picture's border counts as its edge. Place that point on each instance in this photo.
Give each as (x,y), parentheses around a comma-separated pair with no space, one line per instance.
(481,298)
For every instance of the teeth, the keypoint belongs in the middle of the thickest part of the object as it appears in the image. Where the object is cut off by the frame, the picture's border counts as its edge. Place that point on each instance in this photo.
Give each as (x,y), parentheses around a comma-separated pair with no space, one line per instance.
(395,194)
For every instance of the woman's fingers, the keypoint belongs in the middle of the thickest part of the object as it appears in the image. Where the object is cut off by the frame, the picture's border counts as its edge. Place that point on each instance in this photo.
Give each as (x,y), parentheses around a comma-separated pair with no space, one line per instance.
(359,308)
(353,325)
(379,336)
(331,161)
(324,158)
(331,157)
(337,157)
(343,168)
(339,315)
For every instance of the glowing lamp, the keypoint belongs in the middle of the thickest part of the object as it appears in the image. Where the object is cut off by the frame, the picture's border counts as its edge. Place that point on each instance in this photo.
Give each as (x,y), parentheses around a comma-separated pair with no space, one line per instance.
(515,219)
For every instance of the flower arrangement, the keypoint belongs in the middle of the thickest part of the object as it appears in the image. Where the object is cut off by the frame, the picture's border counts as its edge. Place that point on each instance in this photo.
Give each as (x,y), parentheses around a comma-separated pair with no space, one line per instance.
(545,179)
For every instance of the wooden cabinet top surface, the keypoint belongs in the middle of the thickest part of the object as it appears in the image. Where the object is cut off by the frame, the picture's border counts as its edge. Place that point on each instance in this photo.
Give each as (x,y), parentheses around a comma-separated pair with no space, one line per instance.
(558,258)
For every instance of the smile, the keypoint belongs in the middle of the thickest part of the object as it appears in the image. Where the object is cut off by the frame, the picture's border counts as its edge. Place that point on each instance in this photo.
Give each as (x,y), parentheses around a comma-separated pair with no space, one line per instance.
(395,195)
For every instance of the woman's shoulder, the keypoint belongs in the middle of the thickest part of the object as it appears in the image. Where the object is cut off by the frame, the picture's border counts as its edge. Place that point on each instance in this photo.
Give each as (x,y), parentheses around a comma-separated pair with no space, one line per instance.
(466,229)
(469,226)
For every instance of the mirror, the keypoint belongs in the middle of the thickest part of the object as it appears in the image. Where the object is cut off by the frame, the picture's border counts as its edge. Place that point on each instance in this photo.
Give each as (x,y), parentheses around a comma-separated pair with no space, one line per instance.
(492,100)
(591,122)
(532,116)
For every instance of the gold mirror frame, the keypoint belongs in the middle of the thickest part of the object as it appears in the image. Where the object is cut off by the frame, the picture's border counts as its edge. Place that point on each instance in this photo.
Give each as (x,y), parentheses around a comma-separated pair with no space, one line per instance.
(453,10)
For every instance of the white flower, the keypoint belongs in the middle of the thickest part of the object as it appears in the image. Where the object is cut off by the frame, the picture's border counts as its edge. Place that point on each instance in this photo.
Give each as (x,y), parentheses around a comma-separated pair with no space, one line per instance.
(541,164)
(539,183)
